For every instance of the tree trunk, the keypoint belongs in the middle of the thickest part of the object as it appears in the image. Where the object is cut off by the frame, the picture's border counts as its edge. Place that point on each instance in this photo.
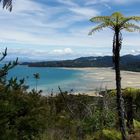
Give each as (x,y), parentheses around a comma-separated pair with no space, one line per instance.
(120,103)
(130,114)
(36,85)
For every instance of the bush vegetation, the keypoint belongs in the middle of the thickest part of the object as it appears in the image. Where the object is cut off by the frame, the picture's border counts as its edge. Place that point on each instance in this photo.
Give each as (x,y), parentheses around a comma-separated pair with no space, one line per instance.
(28,115)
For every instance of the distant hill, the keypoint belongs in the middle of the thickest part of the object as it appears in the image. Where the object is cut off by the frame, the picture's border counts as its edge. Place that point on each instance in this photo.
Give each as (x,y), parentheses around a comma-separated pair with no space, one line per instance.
(128,62)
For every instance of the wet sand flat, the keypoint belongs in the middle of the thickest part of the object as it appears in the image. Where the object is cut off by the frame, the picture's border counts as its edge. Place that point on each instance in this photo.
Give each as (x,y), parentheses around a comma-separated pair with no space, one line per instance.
(106,77)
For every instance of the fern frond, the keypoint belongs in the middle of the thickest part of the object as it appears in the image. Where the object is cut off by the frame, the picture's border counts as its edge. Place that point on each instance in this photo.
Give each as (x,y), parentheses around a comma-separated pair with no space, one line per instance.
(131,27)
(7,4)
(99,19)
(98,28)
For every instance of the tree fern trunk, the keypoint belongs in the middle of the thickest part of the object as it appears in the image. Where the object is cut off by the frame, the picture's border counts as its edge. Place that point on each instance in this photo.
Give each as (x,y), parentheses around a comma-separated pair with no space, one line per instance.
(120,103)
(130,114)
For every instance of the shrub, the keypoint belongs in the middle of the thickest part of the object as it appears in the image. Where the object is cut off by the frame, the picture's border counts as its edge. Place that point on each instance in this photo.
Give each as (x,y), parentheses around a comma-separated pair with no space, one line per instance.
(107,134)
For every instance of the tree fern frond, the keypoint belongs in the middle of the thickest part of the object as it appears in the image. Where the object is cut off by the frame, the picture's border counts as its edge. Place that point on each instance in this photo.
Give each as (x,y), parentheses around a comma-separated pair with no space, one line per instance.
(98,28)
(99,19)
(129,30)
(131,26)
(117,14)
(7,4)
(135,18)
(125,20)
(116,21)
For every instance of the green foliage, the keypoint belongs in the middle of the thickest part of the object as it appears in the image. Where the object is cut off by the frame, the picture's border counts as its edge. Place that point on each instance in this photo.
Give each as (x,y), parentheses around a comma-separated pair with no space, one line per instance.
(99,121)
(7,4)
(22,115)
(136,124)
(31,116)
(4,70)
(115,21)
(36,75)
(118,22)
(131,92)
(107,134)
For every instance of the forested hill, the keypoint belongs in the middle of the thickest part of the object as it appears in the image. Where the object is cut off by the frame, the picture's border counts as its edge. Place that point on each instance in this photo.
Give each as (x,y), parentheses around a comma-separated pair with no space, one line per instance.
(128,62)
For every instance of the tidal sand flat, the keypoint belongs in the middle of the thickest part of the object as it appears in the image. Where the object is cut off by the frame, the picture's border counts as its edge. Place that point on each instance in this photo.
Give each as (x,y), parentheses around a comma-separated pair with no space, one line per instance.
(106,77)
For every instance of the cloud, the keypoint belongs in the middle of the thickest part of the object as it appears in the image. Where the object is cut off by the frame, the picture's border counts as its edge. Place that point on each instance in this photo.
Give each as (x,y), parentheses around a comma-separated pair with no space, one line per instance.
(37,54)
(110,2)
(67,2)
(78,9)
(30,22)
(135,52)
(58,27)
(124,1)
(26,6)
(86,12)
(62,51)
(35,26)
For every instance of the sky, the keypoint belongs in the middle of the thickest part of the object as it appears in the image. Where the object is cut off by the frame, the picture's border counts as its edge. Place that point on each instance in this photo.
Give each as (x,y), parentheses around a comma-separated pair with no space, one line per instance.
(58,29)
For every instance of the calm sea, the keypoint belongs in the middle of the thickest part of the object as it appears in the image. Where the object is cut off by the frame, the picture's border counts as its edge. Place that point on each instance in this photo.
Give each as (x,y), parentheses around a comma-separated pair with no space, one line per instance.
(73,80)
(50,78)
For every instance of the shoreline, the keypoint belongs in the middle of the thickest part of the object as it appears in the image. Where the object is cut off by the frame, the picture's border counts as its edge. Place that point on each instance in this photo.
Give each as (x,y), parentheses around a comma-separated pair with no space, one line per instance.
(95,79)
(94,68)
(106,77)
(87,80)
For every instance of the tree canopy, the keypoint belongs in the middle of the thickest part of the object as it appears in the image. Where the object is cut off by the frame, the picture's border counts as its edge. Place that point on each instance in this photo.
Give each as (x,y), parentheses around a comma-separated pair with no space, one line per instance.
(7,4)
(116,21)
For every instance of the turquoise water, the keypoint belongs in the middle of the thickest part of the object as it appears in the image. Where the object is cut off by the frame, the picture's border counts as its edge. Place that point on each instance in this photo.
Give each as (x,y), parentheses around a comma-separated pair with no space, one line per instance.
(50,78)
(76,80)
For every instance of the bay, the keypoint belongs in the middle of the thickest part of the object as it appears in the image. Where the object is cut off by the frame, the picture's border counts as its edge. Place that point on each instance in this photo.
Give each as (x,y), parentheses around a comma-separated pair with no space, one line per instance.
(73,80)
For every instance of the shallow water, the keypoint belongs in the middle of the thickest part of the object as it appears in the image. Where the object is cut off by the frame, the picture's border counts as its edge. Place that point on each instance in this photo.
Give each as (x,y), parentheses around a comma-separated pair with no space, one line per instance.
(50,78)
(75,80)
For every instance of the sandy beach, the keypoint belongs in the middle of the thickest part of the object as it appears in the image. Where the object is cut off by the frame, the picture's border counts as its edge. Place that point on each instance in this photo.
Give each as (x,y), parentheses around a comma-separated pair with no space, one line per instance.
(106,78)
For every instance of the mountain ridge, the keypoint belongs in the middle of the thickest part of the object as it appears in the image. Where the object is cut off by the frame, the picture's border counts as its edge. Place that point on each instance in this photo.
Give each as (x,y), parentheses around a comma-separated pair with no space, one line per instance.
(127,62)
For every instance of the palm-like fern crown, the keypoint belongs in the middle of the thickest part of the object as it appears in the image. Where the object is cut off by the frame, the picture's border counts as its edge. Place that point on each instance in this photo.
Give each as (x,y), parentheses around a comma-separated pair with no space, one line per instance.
(116,22)
(7,4)
(36,75)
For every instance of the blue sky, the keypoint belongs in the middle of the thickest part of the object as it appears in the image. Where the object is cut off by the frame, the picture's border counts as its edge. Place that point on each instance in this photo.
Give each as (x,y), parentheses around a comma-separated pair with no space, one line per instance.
(58,29)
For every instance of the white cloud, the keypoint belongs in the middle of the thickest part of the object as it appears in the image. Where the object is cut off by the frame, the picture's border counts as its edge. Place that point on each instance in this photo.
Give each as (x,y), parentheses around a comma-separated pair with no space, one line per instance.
(37,54)
(26,6)
(108,6)
(135,52)
(125,1)
(85,12)
(62,51)
(67,2)
(110,2)
(30,23)
(34,23)
(30,19)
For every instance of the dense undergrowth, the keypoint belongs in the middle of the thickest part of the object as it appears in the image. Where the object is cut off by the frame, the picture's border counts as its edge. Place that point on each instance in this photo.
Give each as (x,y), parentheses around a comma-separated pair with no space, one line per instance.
(28,115)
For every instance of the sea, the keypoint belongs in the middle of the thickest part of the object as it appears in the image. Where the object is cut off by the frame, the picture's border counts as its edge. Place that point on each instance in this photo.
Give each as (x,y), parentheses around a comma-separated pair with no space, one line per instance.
(70,80)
